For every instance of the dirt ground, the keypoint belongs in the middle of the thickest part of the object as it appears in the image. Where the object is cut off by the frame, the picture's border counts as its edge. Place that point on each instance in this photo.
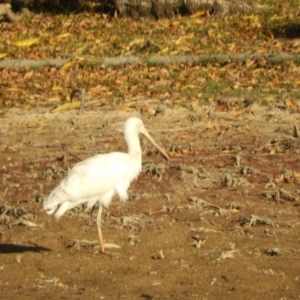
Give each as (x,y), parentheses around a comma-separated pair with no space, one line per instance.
(219,221)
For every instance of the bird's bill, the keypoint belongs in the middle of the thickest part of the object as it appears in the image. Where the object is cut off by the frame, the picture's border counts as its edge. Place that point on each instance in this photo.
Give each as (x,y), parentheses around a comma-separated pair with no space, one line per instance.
(148,136)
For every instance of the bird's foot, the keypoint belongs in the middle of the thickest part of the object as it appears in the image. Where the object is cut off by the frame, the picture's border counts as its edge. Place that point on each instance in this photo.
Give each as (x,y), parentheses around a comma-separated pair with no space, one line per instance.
(107,252)
(102,250)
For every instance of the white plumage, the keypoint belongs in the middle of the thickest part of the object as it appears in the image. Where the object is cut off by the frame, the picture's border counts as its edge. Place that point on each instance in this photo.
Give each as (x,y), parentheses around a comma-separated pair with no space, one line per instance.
(101,177)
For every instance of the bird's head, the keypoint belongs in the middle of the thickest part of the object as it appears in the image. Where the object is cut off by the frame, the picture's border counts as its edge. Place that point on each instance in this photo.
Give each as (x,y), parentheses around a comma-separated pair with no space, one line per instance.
(134,126)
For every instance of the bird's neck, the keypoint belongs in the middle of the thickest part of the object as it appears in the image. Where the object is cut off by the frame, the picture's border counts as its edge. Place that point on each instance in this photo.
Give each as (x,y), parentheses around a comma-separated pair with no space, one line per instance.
(134,146)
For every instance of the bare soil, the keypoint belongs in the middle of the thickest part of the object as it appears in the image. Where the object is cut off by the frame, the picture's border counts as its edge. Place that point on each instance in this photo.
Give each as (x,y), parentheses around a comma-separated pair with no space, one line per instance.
(219,221)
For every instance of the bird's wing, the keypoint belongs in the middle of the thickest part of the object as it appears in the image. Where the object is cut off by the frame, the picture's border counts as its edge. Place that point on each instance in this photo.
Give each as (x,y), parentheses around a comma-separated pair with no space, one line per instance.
(95,175)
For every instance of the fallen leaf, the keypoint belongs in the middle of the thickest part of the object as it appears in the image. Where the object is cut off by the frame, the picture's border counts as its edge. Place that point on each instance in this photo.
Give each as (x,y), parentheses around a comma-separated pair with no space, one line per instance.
(64,35)
(66,106)
(57,89)
(296,174)
(25,43)
(35,124)
(165,50)
(68,65)
(14,89)
(184,137)
(199,14)
(189,86)
(291,103)
(135,42)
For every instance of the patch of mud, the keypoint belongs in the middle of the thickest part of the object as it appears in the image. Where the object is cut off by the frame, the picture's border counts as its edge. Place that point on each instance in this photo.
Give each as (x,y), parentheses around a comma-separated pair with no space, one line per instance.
(220,221)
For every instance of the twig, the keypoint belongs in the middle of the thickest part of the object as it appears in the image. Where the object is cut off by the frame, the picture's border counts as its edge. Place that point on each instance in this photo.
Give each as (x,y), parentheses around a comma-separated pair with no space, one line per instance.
(157,60)
(82,93)
(296,133)
(75,156)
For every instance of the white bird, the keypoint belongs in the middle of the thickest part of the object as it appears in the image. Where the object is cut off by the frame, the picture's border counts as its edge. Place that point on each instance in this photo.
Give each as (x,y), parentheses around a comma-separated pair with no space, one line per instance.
(101,177)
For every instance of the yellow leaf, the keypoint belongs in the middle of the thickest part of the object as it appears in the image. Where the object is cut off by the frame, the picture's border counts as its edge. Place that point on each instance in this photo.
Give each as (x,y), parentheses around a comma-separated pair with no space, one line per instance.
(211,32)
(28,75)
(296,174)
(189,86)
(60,284)
(3,55)
(57,88)
(25,43)
(77,147)
(68,65)
(277,18)
(64,35)
(54,99)
(254,21)
(262,6)
(180,40)
(271,34)
(196,108)
(209,126)
(98,89)
(37,85)
(269,98)
(175,23)
(126,107)
(228,88)
(14,89)
(135,42)
(67,24)
(272,151)
(66,106)
(257,71)
(36,123)
(250,17)
(165,50)
(197,21)
(227,152)
(199,14)
(290,103)
(174,154)
(80,50)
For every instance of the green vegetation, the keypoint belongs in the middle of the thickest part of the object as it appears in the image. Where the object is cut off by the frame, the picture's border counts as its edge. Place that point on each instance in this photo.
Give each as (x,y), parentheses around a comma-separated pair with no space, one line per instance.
(87,36)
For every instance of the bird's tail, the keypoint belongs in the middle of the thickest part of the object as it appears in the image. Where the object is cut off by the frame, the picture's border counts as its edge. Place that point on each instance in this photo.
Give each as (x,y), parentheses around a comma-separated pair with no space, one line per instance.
(56,197)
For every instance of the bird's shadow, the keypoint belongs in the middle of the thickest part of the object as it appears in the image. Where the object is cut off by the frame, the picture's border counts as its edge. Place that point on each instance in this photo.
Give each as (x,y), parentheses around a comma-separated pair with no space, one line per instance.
(13,248)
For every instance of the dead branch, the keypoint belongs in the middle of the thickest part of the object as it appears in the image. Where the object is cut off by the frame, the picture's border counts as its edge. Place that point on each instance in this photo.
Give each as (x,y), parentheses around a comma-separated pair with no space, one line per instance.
(7,14)
(169,8)
(156,60)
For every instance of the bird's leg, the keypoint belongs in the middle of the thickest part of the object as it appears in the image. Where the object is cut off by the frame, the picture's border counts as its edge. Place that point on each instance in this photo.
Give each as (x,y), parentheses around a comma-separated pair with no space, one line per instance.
(101,250)
(99,229)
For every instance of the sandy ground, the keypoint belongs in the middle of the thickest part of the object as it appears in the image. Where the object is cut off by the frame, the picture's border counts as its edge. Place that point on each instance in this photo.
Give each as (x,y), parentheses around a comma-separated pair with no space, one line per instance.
(219,221)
